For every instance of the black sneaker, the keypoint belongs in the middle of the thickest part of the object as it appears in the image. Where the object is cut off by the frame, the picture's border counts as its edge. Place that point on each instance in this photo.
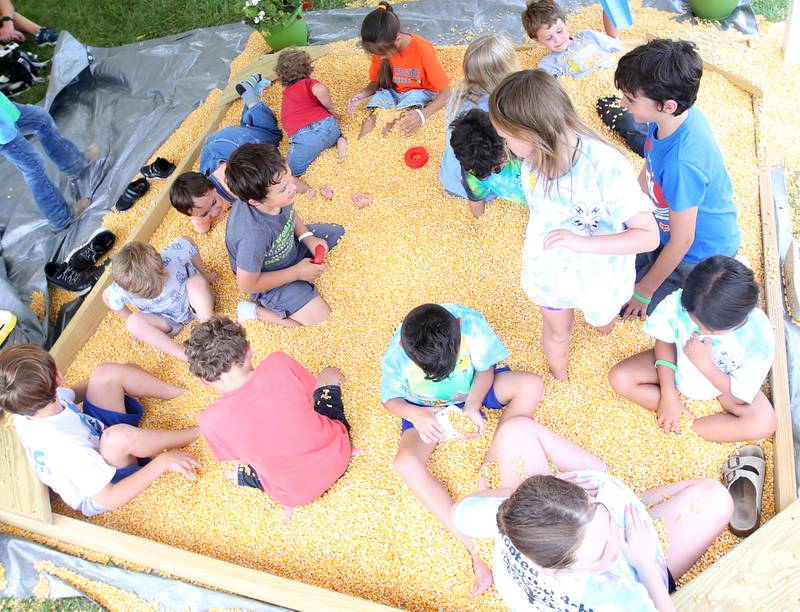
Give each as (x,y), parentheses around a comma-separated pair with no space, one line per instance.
(65,276)
(12,89)
(46,37)
(85,256)
(161,168)
(133,192)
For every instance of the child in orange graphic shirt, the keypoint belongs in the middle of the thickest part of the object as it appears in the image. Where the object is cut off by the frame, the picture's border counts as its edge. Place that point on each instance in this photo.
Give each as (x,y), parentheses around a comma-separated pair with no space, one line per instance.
(405,73)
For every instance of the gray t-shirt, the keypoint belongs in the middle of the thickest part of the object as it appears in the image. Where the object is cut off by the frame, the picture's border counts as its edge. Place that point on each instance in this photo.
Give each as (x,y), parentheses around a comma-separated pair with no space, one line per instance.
(258,242)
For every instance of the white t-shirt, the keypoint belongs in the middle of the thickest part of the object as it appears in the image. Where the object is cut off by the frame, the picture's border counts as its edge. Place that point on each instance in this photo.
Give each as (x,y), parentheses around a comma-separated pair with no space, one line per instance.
(595,198)
(745,354)
(524,586)
(64,450)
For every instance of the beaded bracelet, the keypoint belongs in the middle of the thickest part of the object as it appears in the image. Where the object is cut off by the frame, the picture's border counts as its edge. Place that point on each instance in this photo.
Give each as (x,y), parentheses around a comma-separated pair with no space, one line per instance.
(669,364)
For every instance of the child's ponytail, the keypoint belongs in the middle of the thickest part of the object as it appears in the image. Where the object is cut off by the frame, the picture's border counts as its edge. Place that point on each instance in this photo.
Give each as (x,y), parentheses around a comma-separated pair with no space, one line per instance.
(379,31)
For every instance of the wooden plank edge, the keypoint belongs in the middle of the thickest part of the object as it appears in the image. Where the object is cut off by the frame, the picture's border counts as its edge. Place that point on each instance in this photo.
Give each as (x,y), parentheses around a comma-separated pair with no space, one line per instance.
(791,35)
(726,585)
(784,466)
(194,567)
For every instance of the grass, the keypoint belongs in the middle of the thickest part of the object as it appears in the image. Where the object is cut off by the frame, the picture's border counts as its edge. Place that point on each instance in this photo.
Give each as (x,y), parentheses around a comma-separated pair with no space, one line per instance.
(71,604)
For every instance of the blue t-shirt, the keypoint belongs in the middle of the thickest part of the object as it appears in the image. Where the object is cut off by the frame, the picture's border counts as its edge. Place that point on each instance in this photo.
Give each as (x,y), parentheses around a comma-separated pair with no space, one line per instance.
(480,350)
(686,170)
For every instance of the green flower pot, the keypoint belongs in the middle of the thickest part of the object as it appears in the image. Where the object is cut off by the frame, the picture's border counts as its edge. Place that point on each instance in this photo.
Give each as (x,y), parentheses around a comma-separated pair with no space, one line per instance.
(291,32)
(713,9)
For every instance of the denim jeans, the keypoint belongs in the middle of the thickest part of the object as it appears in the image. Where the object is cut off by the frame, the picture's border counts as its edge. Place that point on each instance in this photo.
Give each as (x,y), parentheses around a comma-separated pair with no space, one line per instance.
(257,124)
(65,155)
(307,143)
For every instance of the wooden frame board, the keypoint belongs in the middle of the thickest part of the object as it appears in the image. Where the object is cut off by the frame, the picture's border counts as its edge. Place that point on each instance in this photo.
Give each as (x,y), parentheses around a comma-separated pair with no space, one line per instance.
(25,503)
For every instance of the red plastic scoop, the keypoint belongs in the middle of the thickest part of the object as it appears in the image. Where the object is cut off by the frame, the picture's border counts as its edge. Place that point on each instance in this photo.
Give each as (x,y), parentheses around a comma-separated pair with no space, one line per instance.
(319,254)
(416,157)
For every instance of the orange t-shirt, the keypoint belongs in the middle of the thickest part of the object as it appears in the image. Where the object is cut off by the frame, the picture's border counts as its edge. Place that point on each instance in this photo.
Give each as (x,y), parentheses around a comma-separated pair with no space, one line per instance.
(415,67)
(270,423)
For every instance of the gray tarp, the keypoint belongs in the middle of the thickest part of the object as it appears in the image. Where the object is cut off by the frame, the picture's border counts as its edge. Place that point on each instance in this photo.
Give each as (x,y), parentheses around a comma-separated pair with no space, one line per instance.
(128,99)
(18,556)
(454,22)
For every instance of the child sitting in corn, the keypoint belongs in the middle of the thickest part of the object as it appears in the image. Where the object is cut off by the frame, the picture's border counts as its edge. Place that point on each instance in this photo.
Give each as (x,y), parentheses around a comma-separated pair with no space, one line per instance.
(712,341)
(286,428)
(488,171)
(97,459)
(307,116)
(444,355)
(168,289)
(269,246)
(581,55)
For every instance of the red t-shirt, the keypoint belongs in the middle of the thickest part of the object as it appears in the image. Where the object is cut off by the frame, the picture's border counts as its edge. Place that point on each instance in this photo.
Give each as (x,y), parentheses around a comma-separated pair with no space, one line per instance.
(270,423)
(300,107)
(415,67)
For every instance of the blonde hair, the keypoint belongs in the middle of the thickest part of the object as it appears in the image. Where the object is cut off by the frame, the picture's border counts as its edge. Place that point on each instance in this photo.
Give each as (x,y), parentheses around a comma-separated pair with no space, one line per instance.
(139,269)
(531,105)
(487,60)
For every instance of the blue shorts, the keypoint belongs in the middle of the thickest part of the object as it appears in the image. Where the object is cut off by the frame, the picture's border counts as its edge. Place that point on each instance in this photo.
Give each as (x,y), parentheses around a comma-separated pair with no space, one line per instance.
(389,98)
(133,416)
(490,401)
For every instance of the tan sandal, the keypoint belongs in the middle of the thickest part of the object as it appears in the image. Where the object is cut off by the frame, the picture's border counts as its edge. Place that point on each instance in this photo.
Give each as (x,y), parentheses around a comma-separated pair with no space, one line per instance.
(743,474)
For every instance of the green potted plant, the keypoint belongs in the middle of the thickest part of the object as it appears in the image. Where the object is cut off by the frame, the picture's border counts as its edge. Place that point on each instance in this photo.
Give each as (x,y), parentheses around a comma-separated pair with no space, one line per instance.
(280,22)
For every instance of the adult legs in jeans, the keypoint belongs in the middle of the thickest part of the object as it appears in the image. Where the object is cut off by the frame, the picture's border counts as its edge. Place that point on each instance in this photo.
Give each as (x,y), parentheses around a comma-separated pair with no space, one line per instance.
(261,117)
(63,152)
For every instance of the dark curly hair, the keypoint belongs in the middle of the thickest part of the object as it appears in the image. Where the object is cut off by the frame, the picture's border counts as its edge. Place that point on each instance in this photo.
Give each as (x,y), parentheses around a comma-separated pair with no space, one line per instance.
(293,65)
(662,70)
(476,144)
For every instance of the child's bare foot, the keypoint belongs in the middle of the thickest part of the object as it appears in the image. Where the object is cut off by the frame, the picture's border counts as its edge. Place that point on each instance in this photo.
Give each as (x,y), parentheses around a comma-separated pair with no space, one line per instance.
(341,148)
(311,192)
(287,513)
(361,199)
(483,575)
(326,191)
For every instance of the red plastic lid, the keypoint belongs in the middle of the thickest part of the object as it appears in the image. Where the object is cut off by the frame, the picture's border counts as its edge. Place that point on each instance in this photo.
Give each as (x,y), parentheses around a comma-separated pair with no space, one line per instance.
(416,157)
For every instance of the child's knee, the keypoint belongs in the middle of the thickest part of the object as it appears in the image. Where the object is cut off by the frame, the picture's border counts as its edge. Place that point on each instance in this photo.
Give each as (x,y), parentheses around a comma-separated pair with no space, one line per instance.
(407,464)
(136,324)
(716,498)
(761,418)
(106,373)
(619,378)
(197,283)
(117,441)
(329,376)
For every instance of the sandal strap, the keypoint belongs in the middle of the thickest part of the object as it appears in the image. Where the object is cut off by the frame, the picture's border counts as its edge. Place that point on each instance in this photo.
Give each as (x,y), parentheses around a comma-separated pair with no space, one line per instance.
(736,462)
(756,480)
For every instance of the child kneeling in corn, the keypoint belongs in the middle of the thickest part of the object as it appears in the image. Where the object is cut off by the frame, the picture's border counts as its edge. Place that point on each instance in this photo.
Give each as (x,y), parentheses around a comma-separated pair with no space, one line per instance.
(287,428)
(168,289)
(269,246)
(444,355)
(488,171)
(96,459)
(712,341)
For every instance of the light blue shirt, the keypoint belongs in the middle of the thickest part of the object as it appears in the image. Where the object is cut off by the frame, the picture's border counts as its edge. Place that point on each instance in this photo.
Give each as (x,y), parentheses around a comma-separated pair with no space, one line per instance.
(745,354)
(9,113)
(589,51)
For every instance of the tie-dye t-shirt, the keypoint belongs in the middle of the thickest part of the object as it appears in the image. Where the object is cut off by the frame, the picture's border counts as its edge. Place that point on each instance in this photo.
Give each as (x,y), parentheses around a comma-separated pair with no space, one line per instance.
(504,184)
(480,350)
(524,586)
(589,51)
(745,354)
(595,198)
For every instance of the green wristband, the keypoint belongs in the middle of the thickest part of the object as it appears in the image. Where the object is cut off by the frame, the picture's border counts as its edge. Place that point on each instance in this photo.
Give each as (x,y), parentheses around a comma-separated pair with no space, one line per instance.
(669,364)
(643,300)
